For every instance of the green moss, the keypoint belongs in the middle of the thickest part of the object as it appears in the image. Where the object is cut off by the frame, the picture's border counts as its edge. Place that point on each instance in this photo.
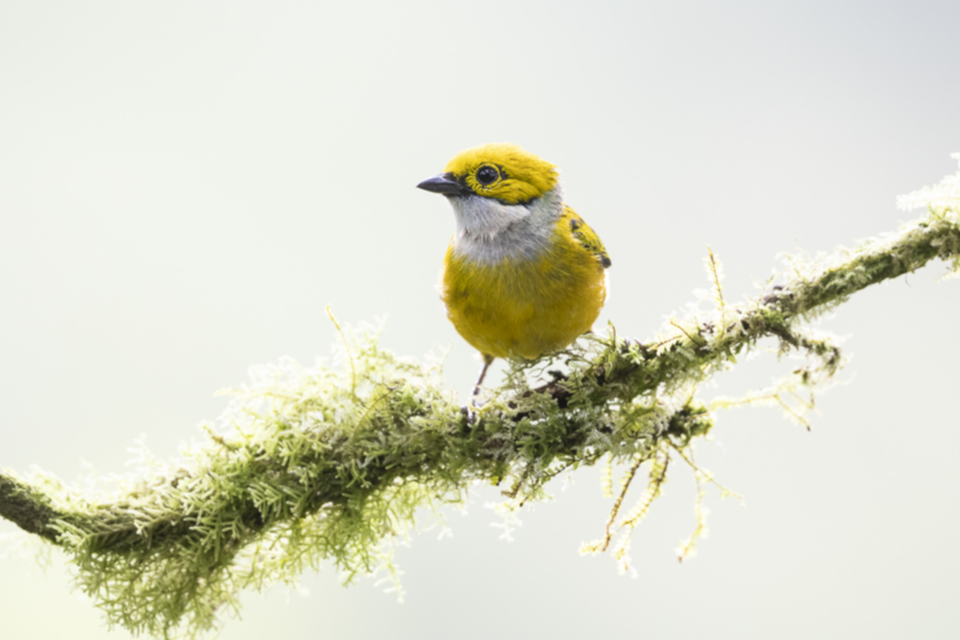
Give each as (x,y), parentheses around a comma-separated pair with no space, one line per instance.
(310,464)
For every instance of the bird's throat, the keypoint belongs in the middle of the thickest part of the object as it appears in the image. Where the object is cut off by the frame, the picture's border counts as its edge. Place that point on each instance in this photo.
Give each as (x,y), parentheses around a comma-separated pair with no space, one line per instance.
(489,231)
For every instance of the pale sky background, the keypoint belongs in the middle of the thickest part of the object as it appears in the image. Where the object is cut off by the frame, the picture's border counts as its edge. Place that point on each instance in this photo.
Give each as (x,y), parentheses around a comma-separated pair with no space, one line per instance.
(184,186)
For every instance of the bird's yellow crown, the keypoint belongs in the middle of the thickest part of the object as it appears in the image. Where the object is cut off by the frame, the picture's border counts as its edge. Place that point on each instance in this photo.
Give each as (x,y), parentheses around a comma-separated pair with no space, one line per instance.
(503,171)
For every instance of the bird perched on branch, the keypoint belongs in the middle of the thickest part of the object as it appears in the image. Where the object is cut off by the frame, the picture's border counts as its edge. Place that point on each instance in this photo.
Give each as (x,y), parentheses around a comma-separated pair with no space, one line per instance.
(523,275)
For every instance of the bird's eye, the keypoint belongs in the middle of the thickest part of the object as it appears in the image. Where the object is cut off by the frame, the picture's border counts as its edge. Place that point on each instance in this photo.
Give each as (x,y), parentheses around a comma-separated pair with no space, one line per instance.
(487,175)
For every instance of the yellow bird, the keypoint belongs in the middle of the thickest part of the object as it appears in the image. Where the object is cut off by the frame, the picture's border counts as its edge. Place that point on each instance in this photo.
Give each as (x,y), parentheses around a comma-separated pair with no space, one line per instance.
(523,275)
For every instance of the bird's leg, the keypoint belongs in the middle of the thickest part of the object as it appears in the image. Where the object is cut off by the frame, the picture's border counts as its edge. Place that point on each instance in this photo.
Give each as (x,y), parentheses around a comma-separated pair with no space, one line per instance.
(487,361)
(468,410)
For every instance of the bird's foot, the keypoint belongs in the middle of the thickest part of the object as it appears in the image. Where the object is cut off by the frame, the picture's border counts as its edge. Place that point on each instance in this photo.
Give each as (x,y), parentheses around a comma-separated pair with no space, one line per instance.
(470,410)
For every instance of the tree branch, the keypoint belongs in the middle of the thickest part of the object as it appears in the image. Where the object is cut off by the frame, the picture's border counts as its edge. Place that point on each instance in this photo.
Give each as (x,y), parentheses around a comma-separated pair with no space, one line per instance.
(27,507)
(309,464)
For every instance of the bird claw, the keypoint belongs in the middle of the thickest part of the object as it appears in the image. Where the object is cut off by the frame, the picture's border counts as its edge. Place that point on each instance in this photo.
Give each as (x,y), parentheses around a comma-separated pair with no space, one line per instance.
(470,410)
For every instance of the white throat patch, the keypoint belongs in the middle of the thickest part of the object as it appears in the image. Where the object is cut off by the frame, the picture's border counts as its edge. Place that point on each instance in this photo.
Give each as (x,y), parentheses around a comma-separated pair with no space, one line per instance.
(489,231)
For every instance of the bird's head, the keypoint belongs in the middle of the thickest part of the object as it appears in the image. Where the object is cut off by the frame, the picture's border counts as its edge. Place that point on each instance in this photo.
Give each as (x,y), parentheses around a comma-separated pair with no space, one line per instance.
(500,171)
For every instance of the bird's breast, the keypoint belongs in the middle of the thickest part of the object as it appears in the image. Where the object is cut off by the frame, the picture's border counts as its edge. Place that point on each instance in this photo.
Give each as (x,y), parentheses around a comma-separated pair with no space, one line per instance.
(527,303)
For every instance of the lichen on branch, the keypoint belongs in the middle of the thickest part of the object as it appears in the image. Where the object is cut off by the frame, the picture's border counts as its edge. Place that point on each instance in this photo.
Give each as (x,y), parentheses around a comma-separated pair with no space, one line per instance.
(335,462)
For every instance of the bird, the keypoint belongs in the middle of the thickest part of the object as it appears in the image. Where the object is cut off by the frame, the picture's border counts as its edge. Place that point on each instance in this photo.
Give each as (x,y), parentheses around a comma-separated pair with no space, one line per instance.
(523,275)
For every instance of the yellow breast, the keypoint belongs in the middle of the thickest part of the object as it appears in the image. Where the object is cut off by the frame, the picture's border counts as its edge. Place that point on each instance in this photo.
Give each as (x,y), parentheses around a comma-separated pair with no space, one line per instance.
(523,307)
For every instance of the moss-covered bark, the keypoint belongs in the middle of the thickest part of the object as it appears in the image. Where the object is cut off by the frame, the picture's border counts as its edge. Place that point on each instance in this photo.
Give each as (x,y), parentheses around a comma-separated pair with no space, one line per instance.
(310,464)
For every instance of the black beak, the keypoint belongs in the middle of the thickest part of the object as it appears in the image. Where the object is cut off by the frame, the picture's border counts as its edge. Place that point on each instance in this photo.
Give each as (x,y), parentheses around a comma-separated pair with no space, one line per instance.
(445,184)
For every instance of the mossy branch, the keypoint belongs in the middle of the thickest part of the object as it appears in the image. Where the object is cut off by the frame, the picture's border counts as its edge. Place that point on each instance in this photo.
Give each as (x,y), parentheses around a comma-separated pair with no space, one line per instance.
(309,464)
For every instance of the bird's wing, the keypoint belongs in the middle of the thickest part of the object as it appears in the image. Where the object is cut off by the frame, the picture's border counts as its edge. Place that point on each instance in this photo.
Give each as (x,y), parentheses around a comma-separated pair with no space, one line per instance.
(586,236)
